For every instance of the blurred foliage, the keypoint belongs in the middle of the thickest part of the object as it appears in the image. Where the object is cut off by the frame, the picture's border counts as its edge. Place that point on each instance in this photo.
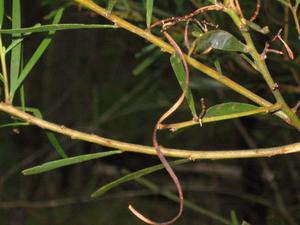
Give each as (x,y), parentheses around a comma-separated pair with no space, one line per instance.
(85,80)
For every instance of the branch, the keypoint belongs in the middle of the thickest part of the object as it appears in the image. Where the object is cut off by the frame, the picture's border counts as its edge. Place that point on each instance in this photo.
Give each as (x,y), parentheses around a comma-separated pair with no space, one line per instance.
(142,149)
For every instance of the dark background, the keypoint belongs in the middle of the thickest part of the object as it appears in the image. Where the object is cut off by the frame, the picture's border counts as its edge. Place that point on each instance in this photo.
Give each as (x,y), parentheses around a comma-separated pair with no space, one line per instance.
(85,81)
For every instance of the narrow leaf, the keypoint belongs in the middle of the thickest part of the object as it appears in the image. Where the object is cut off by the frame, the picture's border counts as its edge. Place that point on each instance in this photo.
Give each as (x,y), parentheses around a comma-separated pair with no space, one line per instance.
(149,10)
(234,219)
(14,124)
(229,108)
(15,59)
(133,176)
(55,27)
(1,12)
(111,4)
(180,75)
(220,40)
(36,55)
(66,162)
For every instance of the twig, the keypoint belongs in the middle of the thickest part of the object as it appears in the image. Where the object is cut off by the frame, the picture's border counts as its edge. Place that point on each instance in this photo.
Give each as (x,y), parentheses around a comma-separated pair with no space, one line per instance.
(128,147)
(256,12)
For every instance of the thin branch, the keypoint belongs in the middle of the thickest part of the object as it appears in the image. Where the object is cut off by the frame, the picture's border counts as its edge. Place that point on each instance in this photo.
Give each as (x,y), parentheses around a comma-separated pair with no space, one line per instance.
(142,149)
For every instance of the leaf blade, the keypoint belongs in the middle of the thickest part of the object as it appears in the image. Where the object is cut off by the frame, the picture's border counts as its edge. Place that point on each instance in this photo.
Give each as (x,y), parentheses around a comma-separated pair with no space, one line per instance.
(179,71)
(229,108)
(36,55)
(66,162)
(149,10)
(133,176)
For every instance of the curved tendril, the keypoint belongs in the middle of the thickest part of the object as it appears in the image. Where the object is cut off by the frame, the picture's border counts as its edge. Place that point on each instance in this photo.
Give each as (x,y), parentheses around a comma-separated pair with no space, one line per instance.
(160,155)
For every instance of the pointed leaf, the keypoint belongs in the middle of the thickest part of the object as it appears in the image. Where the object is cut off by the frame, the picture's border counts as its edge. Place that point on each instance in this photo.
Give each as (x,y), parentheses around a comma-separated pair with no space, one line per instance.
(229,108)
(180,75)
(36,55)
(220,40)
(1,12)
(149,10)
(133,176)
(66,162)
(15,59)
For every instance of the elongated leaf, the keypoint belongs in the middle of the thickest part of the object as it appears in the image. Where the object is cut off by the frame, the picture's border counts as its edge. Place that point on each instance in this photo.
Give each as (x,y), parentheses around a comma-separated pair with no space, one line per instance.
(229,108)
(133,176)
(14,124)
(36,55)
(111,4)
(220,40)
(55,27)
(15,58)
(50,135)
(1,12)
(1,77)
(149,10)
(180,75)
(66,162)
(256,27)
(234,219)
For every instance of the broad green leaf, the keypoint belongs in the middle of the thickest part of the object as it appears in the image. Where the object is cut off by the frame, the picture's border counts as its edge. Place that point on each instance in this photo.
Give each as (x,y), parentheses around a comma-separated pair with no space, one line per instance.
(55,27)
(133,176)
(220,40)
(111,4)
(1,12)
(66,162)
(149,10)
(229,108)
(15,59)
(50,135)
(36,55)
(180,75)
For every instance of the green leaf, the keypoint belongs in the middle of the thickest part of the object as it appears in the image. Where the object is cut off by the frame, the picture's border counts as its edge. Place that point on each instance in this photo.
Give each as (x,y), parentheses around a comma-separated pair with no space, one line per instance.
(15,59)
(1,12)
(220,40)
(66,162)
(14,124)
(50,135)
(133,176)
(229,108)
(234,219)
(111,4)
(180,75)
(149,10)
(55,27)
(36,55)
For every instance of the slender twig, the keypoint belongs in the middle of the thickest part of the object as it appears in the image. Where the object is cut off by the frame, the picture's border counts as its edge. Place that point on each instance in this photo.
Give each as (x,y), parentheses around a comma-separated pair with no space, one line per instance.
(128,147)
(176,126)
(256,12)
